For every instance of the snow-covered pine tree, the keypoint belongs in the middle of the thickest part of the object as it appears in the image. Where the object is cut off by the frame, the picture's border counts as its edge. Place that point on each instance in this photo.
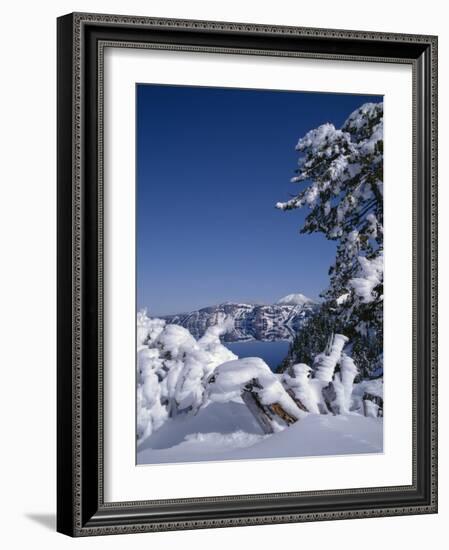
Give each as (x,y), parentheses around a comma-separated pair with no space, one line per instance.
(341,172)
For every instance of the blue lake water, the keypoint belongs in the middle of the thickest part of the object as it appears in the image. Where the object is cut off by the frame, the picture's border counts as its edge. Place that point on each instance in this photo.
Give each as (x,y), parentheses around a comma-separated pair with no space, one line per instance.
(271,352)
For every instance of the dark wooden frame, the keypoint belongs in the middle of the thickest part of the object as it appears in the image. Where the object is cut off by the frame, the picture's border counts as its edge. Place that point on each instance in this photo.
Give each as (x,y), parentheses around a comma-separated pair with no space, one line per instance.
(81,509)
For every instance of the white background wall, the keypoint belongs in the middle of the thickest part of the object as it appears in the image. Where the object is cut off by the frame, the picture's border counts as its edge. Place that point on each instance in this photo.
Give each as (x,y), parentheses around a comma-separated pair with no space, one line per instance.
(27,272)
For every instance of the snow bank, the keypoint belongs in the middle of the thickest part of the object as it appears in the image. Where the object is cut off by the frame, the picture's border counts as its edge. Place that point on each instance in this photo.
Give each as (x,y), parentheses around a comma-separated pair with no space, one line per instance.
(315,435)
(225,418)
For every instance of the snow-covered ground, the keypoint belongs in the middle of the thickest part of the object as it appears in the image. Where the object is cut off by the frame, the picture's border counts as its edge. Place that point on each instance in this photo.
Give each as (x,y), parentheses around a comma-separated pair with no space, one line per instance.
(228,431)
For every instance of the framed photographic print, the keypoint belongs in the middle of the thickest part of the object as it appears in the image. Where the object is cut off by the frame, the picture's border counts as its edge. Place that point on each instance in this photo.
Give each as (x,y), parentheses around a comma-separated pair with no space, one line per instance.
(246,274)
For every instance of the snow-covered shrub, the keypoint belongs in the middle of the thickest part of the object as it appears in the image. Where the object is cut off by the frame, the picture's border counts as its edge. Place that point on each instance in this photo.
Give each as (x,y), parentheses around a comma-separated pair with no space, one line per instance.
(172,369)
(147,329)
(343,383)
(327,387)
(337,383)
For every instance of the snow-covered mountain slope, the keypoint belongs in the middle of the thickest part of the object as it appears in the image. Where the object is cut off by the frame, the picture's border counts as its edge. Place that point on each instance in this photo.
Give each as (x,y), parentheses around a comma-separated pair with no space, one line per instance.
(259,322)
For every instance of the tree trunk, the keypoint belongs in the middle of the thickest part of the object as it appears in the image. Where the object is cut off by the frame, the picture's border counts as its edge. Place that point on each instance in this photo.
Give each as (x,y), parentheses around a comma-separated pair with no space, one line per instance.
(267,416)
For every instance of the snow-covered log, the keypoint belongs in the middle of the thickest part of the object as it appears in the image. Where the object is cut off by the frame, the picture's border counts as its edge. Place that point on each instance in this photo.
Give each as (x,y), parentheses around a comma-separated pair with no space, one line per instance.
(252,380)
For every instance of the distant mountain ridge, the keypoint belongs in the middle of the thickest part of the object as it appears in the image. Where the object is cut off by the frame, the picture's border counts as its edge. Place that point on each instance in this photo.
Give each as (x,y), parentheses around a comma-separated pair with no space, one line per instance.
(280,321)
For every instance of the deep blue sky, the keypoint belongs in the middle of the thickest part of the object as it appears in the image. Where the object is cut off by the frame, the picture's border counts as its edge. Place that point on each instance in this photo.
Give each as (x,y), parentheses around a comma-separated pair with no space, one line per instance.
(211,165)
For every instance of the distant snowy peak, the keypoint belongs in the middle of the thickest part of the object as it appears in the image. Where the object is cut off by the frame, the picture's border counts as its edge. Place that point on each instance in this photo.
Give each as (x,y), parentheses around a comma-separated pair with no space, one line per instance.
(295,300)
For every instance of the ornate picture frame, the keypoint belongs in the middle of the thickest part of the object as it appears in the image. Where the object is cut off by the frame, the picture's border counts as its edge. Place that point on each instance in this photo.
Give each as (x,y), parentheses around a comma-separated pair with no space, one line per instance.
(81,507)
